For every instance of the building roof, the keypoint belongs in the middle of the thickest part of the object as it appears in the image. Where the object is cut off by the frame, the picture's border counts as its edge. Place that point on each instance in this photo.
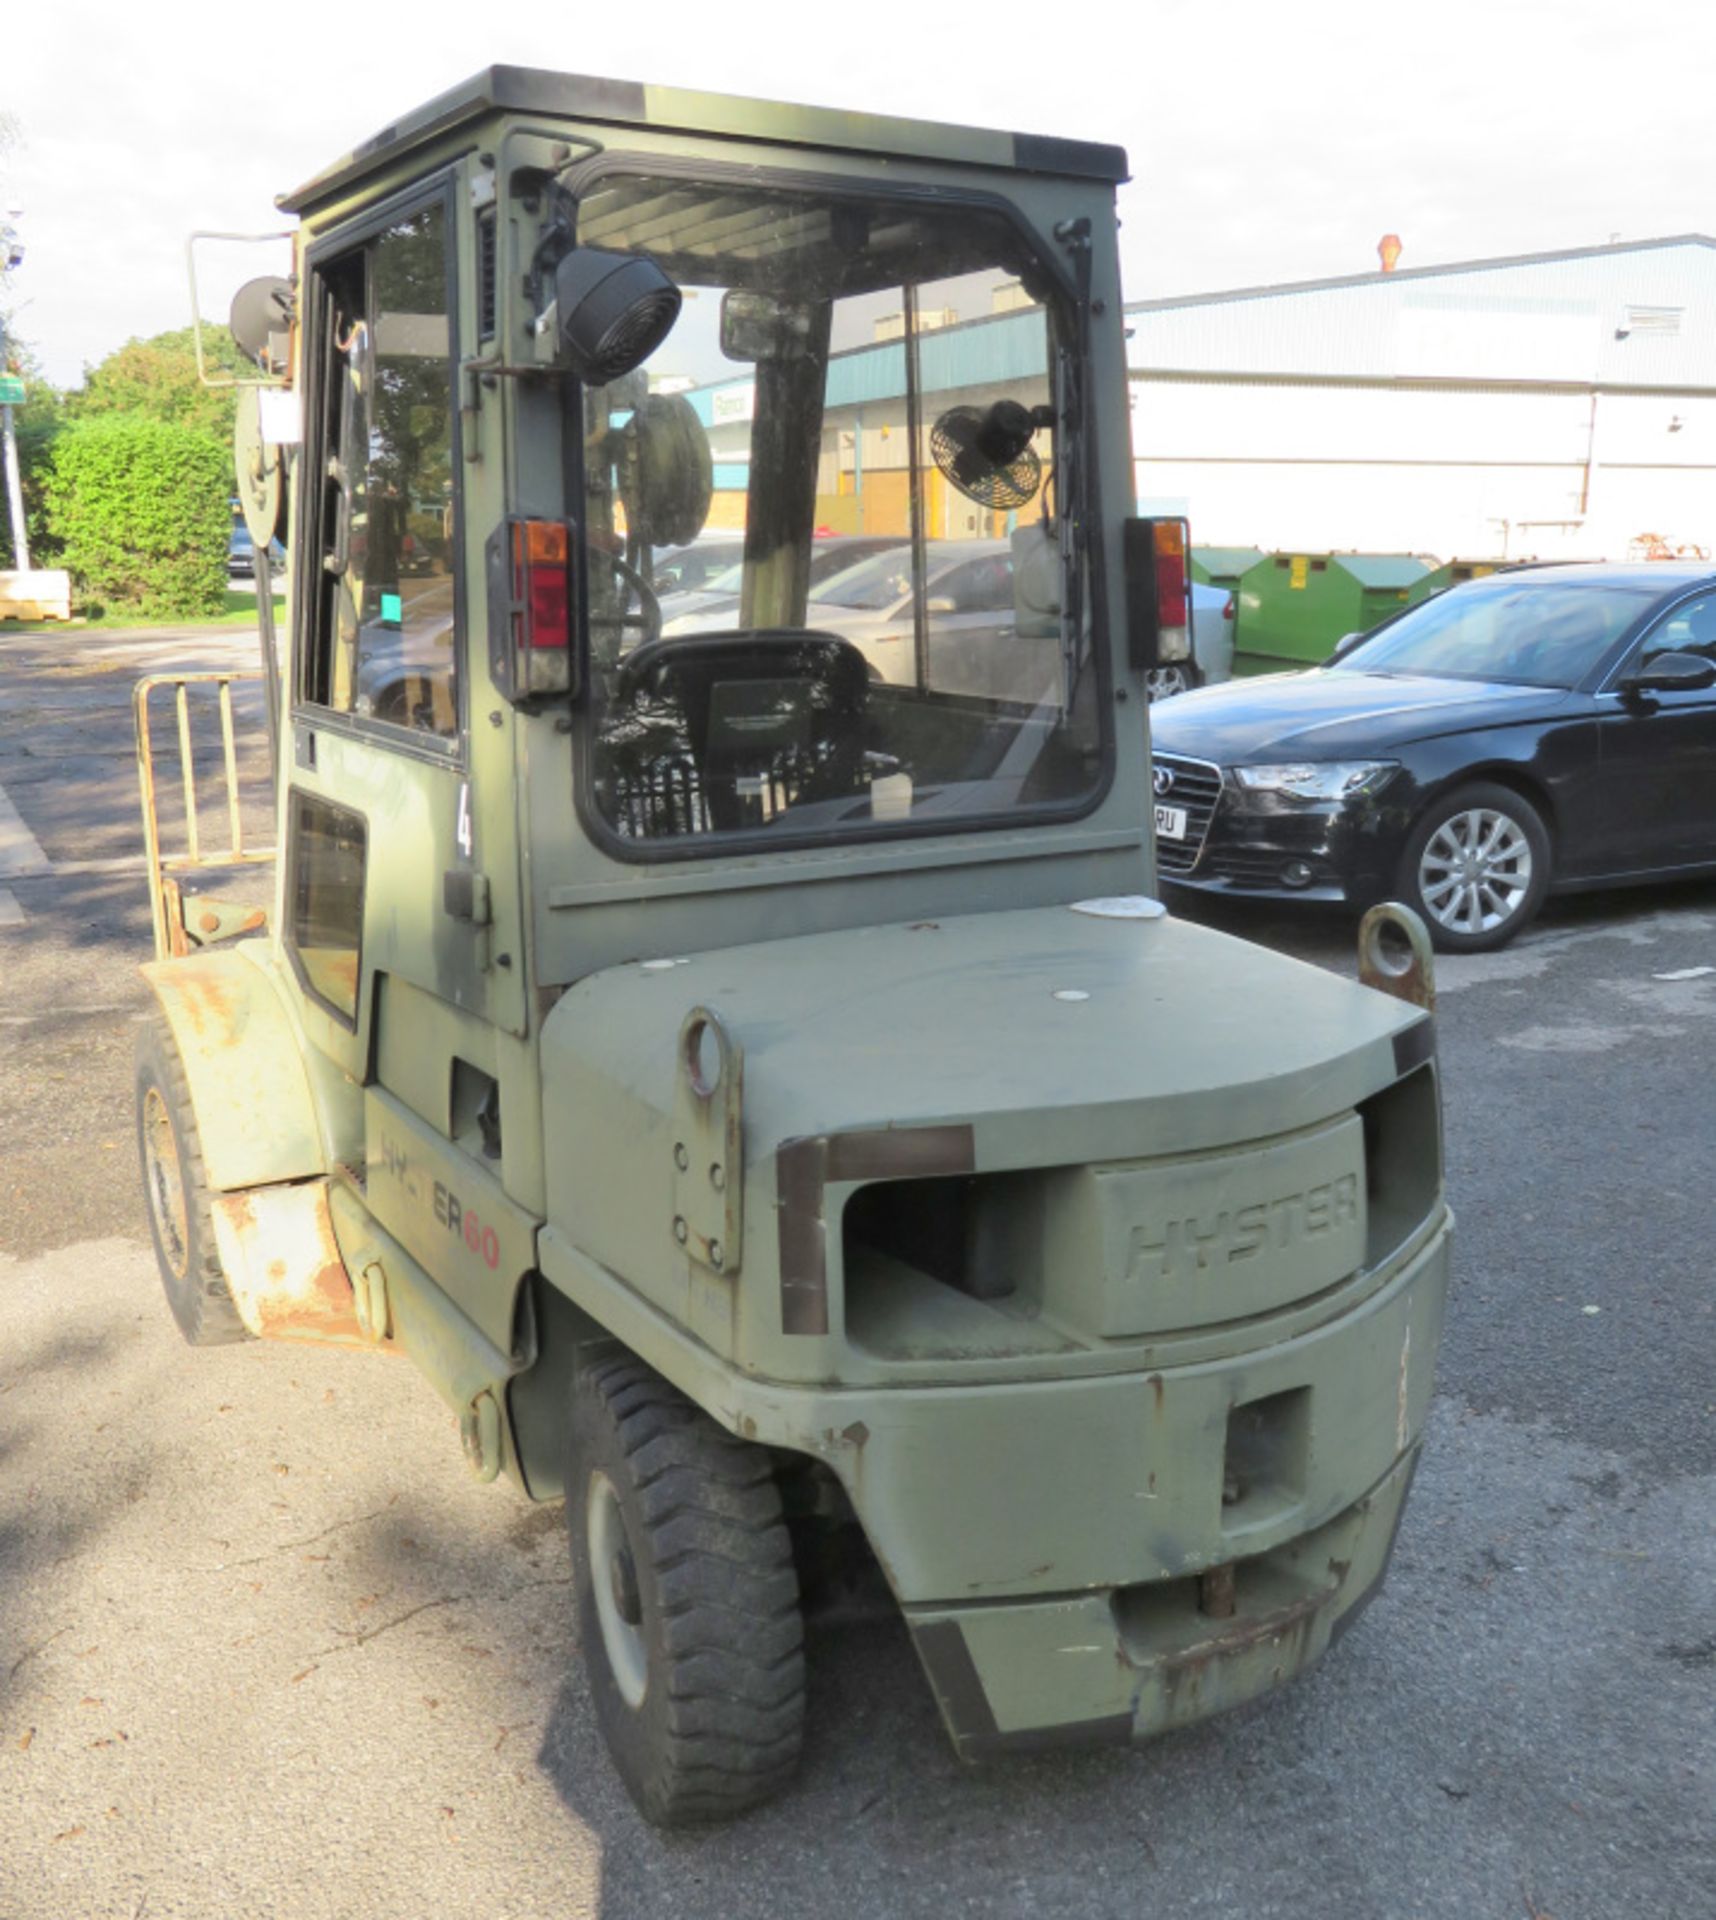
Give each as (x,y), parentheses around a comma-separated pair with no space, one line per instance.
(1637,315)
(1403,274)
(582,97)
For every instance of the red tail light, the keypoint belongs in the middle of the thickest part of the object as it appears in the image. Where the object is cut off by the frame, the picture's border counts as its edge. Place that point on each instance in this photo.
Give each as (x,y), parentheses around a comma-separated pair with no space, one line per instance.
(1157,555)
(532,611)
(542,581)
(1171,587)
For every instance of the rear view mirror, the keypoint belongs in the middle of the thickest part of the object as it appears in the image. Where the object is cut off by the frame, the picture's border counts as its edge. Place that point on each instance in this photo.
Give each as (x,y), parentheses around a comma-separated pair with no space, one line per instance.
(1672,673)
(758,326)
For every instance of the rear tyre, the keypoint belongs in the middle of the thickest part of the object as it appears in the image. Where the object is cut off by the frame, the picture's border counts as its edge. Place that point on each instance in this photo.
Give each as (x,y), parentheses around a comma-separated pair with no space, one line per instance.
(688,1602)
(1476,867)
(176,1190)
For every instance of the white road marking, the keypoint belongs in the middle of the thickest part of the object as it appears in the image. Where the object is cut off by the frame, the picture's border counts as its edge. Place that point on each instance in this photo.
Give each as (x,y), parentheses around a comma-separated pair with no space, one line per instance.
(20,850)
(11,914)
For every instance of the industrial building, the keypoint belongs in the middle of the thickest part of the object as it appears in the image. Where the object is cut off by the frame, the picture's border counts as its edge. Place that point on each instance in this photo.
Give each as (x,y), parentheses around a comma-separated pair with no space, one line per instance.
(1554,405)
(1560,405)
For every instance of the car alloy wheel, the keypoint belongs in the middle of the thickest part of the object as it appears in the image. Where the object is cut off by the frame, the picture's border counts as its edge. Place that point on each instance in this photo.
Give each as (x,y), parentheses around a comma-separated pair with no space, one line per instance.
(1162,683)
(1475,872)
(1477,865)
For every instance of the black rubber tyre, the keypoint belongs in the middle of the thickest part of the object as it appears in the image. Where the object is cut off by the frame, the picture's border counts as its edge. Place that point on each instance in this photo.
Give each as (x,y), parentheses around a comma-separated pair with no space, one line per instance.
(1513,875)
(697,1672)
(176,1193)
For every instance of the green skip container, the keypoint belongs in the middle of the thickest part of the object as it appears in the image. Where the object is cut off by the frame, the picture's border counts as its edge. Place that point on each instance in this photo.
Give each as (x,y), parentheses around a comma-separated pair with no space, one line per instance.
(1452,573)
(1295,607)
(1223,566)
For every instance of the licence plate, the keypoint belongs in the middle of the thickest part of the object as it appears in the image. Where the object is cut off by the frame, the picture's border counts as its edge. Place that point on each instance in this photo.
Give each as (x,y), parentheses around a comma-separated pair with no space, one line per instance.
(1171,822)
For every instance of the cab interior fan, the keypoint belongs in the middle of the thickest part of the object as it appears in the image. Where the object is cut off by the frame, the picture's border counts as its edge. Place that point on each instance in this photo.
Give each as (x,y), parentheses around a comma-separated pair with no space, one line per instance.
(986,452)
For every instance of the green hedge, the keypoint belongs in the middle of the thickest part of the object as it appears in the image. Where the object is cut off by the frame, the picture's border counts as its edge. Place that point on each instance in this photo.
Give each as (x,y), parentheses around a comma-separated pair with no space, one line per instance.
(142,513)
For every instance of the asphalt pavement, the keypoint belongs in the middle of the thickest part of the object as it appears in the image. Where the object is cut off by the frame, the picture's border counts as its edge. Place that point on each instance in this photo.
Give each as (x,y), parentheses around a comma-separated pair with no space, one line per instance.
(265,1649)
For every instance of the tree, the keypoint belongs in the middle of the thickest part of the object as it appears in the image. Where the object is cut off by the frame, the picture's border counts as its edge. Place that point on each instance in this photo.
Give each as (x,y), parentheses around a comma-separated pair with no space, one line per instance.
(141,510)
(156,379)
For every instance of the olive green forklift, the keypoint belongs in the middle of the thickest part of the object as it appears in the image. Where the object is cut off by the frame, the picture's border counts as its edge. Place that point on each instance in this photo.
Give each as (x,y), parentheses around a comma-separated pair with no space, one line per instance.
(730,1044)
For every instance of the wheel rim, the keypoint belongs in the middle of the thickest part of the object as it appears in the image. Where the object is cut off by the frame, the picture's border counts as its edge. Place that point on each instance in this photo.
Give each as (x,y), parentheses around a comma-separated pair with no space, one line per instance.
(613,1576)
(165,1179)
(1162,683)
(1475,871)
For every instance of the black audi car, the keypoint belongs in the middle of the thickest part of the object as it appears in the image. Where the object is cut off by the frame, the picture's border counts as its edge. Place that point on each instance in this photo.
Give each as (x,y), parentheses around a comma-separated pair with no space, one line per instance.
(1536,731)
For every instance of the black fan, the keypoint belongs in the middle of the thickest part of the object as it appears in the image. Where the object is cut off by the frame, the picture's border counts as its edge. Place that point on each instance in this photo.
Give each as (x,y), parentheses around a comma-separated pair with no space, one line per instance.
(987,453)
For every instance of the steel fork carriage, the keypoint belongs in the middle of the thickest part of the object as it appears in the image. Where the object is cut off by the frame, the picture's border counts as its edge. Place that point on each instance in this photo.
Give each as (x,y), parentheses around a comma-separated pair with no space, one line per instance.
(214,920)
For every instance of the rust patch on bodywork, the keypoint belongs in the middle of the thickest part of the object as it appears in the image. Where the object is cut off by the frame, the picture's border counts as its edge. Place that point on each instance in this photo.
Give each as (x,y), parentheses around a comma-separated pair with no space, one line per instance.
(1277,1625)
(803,1169)
(284,1266)
(209,1007)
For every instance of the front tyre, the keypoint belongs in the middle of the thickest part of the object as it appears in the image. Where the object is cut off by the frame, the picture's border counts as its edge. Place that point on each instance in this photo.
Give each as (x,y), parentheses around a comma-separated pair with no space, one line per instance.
(688,1602)
(1476,867)
(176,1190)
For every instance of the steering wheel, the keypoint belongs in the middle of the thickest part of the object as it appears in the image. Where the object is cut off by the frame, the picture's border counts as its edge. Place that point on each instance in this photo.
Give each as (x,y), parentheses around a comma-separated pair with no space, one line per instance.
(735,650)
(646,621)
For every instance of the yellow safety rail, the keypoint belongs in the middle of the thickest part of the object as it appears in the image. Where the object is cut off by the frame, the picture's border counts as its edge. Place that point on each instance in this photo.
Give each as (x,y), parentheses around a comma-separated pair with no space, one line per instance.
(166,903)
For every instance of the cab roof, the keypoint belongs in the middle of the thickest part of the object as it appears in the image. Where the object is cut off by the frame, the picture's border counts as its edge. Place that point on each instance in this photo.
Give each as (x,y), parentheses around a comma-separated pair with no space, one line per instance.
(626,103)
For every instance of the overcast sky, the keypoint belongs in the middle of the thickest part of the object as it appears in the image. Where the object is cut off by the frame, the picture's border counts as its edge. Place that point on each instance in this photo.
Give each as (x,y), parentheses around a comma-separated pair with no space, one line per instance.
(1268,142)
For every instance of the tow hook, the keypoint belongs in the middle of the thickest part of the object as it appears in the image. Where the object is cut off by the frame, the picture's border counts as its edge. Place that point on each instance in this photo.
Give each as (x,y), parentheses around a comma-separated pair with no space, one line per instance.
(1395,956)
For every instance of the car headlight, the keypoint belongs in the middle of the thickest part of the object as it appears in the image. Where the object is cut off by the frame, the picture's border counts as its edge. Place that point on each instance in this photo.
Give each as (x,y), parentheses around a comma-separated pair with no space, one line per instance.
(1317,779)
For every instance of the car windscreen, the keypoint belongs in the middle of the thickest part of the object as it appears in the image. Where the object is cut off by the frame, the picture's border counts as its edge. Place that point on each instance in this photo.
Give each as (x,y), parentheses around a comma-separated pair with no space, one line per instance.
(1532,631)
(821,385)
(871,585)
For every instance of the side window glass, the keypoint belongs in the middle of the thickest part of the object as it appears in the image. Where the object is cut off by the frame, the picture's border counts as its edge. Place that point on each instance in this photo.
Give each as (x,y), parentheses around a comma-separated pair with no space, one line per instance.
(327,860)
(383,646)
(1688,629)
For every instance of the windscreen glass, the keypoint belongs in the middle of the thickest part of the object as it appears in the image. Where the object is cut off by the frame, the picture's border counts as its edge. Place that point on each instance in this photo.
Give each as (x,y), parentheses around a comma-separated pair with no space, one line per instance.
(867,413)
(1532,632)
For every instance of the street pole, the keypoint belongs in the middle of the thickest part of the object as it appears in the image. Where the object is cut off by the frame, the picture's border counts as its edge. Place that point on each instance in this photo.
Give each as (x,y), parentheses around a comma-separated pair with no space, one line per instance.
(14,493)
(10,254)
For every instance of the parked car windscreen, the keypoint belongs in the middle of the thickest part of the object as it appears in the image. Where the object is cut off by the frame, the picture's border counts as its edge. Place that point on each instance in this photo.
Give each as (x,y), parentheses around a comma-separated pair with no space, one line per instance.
(872,584)
(1536,631)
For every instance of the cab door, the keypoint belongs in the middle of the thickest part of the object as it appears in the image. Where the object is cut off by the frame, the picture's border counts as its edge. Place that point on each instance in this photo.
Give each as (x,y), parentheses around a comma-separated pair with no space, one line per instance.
(400,911)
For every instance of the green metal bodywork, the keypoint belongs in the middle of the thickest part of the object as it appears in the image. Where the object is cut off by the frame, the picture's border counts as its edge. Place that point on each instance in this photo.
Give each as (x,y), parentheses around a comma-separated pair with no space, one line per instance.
(1295,607)
(1209,1177)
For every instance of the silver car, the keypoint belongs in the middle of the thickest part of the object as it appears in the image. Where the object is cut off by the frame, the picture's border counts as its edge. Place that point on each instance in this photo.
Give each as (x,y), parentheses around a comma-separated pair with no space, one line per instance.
(1213,610)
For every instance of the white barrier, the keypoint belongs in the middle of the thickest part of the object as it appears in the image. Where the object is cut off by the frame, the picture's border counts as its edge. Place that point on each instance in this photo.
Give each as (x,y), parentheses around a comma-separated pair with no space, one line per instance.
(44,593)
